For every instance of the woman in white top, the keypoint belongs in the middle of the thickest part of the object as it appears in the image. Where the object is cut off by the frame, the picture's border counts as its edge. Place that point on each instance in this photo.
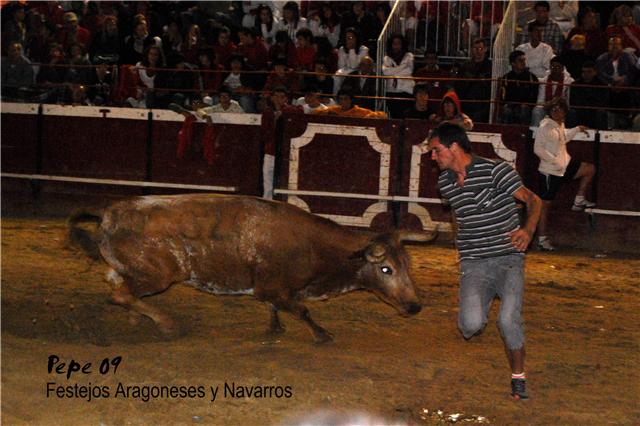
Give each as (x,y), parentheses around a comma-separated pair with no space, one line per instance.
(327,24)
(398,63)
(266,25)
(147,72)
(349,56)
(291,21)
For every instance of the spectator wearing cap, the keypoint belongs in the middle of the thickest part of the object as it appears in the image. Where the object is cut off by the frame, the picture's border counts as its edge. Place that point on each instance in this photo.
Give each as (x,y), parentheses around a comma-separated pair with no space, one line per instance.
(305,53)
(555,85)
(518,88)
(551,34)
(73,33)
(420,108)
(100,81)
(595,99)
(537,52)
(107,42)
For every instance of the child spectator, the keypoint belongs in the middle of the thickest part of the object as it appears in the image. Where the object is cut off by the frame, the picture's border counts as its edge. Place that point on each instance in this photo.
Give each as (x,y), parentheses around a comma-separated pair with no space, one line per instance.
(450,112)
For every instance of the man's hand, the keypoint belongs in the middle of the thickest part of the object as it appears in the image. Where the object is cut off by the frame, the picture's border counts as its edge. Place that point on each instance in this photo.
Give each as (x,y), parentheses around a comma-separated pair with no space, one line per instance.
(520,239)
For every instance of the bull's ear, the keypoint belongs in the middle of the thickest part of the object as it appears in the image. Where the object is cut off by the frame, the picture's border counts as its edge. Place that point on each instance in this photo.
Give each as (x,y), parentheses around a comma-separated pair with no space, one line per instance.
(375,253)
(420,237)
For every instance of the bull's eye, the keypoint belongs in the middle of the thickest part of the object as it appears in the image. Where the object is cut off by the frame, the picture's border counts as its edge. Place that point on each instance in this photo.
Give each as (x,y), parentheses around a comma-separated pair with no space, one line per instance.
(386,270)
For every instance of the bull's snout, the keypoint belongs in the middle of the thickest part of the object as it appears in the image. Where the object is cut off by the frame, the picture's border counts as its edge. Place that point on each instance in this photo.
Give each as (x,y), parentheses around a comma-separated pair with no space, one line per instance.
(414,308)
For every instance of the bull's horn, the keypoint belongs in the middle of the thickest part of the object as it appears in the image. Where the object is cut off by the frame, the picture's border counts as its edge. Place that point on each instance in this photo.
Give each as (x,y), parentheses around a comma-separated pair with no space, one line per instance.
(421,237)
(375,253)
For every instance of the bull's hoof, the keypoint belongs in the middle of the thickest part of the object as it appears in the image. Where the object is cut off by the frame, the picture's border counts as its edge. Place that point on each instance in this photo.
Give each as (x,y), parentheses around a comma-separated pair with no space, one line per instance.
(275,331)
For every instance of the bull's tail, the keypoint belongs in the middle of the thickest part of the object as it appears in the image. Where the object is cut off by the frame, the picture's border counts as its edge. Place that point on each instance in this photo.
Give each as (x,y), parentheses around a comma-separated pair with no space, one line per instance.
(82,238)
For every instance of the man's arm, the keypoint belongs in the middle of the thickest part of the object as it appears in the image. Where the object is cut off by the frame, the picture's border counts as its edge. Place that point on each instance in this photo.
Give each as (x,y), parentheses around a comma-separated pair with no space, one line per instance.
(522,237)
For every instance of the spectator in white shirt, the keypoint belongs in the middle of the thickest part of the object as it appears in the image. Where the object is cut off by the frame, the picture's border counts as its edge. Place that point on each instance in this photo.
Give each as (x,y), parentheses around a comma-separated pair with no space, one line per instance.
(555,85)
(226,104)
(349,56)
(291,21)
(398,63)
(538,54)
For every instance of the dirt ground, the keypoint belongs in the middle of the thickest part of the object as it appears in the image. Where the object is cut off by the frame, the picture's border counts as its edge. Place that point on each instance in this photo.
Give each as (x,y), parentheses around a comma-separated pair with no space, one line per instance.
(583,347)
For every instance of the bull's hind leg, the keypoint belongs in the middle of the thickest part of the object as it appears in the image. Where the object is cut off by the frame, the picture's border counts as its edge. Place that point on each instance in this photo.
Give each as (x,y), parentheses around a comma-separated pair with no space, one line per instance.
(275,327)
(121,295)
(301,312)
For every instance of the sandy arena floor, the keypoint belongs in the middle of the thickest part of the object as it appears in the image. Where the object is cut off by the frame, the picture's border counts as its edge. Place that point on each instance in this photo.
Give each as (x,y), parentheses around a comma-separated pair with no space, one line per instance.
(583,347)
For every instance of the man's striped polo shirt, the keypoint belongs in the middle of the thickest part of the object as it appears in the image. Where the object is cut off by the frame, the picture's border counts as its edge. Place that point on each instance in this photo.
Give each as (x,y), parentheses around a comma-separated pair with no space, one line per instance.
(484,207)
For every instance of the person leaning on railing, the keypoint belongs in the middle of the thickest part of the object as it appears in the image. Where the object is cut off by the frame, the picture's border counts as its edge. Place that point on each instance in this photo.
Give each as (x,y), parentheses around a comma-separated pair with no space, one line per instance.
(347,108)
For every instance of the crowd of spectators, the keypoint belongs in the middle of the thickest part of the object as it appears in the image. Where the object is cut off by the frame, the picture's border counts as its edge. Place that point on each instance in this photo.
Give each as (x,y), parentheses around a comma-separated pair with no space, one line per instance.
(235,54)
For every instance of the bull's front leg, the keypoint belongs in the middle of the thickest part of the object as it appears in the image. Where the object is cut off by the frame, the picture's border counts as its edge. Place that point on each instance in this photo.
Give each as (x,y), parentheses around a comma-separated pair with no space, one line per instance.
(275,326)
(301,312)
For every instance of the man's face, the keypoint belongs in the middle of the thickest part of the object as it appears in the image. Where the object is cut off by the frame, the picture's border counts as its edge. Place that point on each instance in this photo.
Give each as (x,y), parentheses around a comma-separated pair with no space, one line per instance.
(615,46)
(14,51)
(519,64)
(244,39)
(542,14)
(557,69)
(223,38)
(441,154)
(225,99)
(345,102)
(312,99)
(279,99)
(422,99)
(478,52)
(71,23)
(588,74)
(302,41)
(558,113)
(449,109)
(536,35)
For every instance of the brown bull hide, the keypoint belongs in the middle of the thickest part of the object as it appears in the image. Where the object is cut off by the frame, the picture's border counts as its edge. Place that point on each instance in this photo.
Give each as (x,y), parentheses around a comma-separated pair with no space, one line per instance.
(243,245)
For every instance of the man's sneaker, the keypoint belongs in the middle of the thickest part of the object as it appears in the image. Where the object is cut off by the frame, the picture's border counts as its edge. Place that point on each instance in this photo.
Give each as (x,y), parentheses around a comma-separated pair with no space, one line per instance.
(544,244)
(584,204)
(519,389)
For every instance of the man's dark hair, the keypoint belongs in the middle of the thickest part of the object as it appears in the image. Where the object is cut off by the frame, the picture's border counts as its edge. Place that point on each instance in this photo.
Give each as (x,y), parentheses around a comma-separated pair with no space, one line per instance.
(346,92)
(421,87)
(448,133)
(248,31)
(480,40)
(305,33)
(556,102)
(282,36)
(589,64)
(515,55)
(225,89)
(280,89)
(544,4)
(556,59)
(533,25)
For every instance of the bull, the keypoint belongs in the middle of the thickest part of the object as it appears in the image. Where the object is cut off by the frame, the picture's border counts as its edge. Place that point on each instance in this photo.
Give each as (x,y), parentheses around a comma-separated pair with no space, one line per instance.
(238,245)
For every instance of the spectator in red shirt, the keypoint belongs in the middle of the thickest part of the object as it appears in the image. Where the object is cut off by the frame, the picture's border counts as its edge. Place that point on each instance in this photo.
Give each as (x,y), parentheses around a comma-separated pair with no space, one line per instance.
(210,75)
(73,33)
(283,48)
(623,26)
(224,48)
(252,49)
(305,53)
(281,76)
(192,44)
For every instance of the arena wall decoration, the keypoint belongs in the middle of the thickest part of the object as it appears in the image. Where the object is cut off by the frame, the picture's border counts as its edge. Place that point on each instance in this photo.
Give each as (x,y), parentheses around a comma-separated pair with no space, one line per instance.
(358,172)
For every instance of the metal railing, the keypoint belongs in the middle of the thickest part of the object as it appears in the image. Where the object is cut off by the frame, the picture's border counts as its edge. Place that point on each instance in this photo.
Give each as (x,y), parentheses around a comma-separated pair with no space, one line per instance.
(502,47)
(393,24)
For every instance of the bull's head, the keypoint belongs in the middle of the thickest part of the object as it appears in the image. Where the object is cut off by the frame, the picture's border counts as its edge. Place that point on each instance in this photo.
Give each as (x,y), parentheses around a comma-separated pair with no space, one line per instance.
(386,270)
